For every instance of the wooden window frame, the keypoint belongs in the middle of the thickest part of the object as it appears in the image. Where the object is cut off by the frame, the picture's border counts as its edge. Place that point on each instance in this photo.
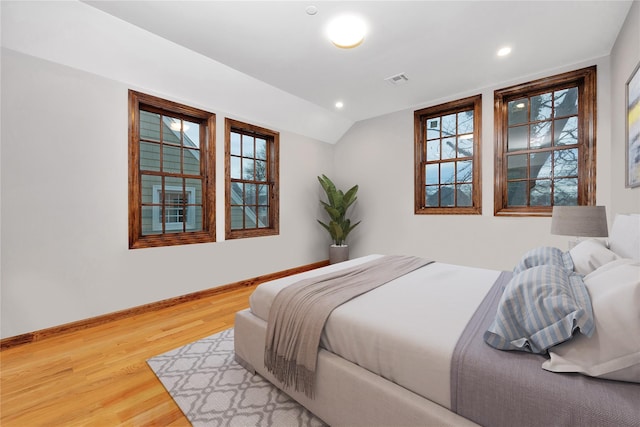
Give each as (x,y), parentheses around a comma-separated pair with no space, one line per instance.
(420,117)
(273,179)
(207,120)
(585,80)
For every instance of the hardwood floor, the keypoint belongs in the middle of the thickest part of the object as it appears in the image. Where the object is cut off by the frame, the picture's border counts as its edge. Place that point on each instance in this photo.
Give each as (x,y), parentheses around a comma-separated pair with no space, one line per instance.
(99,376)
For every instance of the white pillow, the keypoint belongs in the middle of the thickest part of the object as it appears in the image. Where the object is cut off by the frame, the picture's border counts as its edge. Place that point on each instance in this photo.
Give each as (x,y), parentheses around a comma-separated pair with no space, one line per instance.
(589,255)
(624,238)
(613,351)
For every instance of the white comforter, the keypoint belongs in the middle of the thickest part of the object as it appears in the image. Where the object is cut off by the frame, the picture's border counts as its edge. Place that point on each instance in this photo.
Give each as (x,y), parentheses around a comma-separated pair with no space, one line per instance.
(404,331)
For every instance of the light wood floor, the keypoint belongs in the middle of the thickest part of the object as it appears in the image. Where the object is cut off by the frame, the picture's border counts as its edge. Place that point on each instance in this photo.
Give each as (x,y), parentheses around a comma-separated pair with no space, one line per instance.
(99,377)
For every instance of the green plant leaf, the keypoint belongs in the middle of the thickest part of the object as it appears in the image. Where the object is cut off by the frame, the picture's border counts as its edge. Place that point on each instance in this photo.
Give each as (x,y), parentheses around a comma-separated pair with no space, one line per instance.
(336,207)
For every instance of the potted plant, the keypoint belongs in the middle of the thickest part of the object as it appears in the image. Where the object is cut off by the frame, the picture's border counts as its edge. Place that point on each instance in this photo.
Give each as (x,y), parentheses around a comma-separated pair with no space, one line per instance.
(339,225)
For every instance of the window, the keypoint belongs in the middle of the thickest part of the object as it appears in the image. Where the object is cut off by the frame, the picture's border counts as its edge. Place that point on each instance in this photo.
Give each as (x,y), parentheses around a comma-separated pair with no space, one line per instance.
(171,179)
(251,166)
(447,158)
(545,144)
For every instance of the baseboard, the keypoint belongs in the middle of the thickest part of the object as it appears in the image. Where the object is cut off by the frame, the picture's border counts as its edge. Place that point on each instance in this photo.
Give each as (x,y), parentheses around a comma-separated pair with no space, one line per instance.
(39,335)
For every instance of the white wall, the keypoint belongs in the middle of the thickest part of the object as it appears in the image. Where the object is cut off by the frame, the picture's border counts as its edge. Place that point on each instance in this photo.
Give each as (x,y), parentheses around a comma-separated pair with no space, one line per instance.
(625,56)
(377,154)
(65,253)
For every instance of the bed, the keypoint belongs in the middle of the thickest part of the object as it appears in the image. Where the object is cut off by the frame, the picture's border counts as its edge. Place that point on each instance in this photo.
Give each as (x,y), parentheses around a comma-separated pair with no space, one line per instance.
(413,352)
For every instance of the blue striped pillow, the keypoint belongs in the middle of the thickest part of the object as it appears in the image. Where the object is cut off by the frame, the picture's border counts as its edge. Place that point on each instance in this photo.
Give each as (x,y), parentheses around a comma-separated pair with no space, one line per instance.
(544,255)
(541,307)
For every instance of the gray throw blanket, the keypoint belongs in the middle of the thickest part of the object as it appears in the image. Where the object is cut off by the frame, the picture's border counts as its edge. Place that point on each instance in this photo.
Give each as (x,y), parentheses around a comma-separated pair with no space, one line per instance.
(299,312)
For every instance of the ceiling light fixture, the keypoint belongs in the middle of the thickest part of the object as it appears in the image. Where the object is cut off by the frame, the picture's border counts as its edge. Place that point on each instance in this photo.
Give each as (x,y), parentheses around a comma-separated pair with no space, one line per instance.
(339,104)
(346,31)
(504,51)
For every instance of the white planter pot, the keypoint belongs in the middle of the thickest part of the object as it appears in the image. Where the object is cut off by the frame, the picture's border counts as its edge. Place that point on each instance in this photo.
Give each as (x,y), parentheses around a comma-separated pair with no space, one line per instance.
(338,254)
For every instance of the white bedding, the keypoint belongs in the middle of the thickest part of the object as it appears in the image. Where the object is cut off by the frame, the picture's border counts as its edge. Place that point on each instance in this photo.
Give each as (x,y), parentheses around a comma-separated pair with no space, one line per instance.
(431,306)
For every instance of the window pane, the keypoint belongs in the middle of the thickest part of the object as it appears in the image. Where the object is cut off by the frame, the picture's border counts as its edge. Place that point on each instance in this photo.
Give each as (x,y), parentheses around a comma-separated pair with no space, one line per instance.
(465,122)
(261,170)
(191,162)
(172,130)
(566,131)
(540,193)
(433,150)
(517,111)
(565,192)
(447,196)
(518,138)
(261,149)
(247,146)
(465,171)
(433,128)
(517,193)
(464,195)
(566,102)
(248,167)
(235,144)
(565,162)
(448,148)
(541,107)
(191,134)
(237,191)
(235,168)
(432,196)
(432,174)
(149,126)
(250,217)
(263,195)
(448,173)
(249,194)
(540,135)
(465,146)
(449,125)
(196,225)
(236,217)
(148,184)
(540,164)
(263,216)
(194,188)
(170,159)
(517,166)
(149,156)
(147,220)
(172,184)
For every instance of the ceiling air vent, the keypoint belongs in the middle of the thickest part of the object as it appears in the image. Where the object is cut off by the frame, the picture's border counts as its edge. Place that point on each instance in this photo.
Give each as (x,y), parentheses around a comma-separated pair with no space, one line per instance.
(398,79)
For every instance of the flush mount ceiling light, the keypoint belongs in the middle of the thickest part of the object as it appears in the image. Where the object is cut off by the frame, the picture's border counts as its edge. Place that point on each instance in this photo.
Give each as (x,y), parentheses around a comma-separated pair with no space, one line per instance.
(339,105)
(346,31)
(504,51)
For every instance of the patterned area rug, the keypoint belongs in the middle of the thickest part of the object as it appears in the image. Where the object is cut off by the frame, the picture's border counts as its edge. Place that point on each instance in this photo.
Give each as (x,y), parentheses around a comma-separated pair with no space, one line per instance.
(212,389)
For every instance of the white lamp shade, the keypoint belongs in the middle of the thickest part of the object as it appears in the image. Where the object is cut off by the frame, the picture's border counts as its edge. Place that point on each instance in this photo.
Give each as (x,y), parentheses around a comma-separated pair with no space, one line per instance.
(580,221)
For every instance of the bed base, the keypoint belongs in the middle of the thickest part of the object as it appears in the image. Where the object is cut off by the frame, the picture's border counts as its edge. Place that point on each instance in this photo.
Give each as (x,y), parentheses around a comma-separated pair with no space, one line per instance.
(346,394)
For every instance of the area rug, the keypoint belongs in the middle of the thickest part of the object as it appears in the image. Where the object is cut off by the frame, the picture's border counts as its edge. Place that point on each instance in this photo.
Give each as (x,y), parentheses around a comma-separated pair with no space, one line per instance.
(212,389)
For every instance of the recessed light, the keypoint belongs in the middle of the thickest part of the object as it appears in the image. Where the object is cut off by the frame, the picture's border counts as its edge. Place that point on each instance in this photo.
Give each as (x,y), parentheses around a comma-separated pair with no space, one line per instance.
(311,10)
(339,104)
(504,51)
(346,31)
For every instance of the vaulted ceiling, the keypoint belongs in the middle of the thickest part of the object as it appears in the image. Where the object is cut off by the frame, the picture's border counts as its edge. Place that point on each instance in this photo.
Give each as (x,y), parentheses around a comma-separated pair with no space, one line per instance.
(443,47)
(271,61)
